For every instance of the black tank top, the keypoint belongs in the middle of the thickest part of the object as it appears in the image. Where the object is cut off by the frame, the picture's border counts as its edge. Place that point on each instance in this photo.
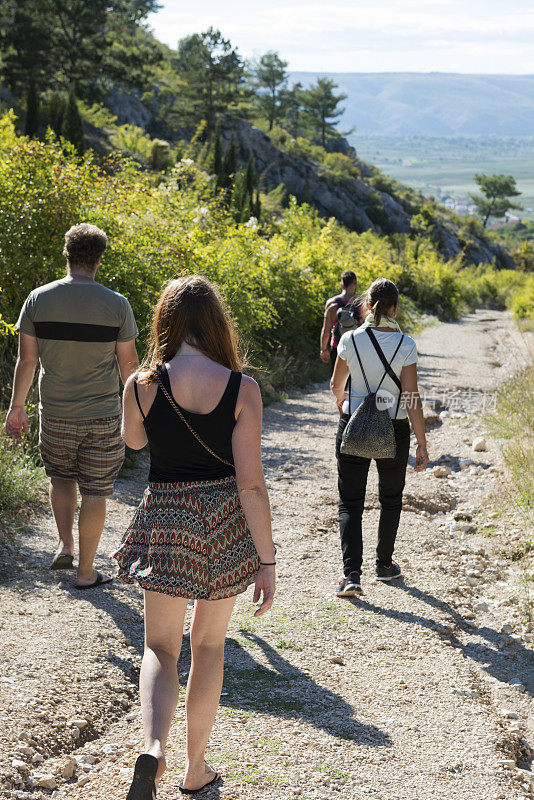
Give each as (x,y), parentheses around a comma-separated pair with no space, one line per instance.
(175,453)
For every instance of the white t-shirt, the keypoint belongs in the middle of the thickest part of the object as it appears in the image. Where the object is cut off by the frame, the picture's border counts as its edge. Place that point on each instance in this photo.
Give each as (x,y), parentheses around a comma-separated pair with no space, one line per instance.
(374,369)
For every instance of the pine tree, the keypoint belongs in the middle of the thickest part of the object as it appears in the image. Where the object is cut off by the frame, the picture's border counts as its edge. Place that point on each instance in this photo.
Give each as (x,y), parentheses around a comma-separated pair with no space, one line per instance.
(322,108)
(239,195)
(250,176)
(229,164)
(213,74)
(257,206)
(32,111)
(217,154)
(72,128)
(56,112)
(270,79)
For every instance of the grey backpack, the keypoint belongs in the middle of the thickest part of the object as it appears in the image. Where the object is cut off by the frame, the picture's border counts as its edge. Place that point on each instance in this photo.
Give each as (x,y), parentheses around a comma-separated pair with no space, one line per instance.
(369,432)
(348,318)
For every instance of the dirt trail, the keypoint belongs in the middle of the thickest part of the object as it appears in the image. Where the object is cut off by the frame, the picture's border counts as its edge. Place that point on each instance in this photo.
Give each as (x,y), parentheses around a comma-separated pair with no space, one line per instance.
(418,690)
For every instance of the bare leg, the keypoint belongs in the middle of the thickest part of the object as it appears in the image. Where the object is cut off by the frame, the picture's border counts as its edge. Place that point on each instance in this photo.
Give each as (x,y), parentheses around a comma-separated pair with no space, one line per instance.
(63,500)
(159,685)
(208,632)
(90,525)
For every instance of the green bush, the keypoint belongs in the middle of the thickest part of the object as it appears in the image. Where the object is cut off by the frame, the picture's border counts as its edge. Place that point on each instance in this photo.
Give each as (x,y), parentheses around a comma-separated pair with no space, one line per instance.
(499,288)
(133,140)
(21,480)
(275,277)
(523,303)
(514,422)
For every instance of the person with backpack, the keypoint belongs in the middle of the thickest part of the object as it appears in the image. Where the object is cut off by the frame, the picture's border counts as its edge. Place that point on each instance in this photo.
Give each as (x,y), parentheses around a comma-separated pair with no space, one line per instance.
(380,363)
(342,313)
(203,528)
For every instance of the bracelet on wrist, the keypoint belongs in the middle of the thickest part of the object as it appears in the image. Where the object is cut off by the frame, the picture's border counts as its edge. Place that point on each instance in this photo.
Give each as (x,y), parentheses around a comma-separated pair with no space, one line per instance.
(267,563)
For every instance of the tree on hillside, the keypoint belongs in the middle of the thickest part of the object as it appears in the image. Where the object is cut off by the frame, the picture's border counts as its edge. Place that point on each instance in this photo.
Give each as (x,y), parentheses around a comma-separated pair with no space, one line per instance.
(55,112)
(63,43)
(23,39)
(72,127)
(245,199)
(213,74)
(292,104)
(31,127)
(269,79)
(321,107)
(495,198)
(217,154)
(229,165)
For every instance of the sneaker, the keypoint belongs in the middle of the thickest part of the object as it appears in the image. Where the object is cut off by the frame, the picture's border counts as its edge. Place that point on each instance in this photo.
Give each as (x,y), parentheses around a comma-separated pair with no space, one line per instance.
(388,573)
(349,586)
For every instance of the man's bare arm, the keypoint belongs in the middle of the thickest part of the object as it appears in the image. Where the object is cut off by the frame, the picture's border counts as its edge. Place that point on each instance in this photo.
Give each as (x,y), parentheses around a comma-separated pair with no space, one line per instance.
(328,323)
(28,357)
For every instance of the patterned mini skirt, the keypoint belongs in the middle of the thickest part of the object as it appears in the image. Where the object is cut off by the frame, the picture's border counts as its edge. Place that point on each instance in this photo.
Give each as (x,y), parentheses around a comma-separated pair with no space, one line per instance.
(189,539)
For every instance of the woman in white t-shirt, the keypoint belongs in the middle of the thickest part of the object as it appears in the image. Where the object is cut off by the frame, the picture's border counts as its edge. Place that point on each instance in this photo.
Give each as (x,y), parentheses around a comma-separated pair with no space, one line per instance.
(381,305)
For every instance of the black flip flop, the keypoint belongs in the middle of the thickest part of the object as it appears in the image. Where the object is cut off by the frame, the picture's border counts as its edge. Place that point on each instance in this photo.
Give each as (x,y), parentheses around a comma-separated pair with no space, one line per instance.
(100,581)
(183,790)
(64,561)
(143,785)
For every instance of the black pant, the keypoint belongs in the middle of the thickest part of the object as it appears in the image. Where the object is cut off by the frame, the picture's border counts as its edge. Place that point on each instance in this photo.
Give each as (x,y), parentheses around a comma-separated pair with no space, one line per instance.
(352,482)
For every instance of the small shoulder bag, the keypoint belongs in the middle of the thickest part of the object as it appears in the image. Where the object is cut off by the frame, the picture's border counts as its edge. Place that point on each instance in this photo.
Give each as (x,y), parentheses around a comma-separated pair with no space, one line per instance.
(369,432)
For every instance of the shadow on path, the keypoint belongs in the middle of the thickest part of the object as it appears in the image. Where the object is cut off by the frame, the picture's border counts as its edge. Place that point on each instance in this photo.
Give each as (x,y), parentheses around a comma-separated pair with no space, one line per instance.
(492,655)
(282,690)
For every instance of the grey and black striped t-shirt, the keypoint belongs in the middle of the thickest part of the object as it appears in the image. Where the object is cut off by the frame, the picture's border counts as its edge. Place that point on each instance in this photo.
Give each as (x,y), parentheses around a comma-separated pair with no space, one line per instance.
(77,326)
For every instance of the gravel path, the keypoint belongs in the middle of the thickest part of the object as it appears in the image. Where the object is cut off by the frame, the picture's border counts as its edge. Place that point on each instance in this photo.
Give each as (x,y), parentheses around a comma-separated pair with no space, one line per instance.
(418,690)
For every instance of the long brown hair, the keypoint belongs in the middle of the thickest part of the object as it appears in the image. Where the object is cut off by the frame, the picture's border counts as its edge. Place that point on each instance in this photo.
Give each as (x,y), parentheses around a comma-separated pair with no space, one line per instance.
(191,310)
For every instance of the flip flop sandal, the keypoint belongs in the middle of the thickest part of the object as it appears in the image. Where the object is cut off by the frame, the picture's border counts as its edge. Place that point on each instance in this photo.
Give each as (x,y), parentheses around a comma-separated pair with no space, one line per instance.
(217,777)
(100,581)
(143,785)
(64,561)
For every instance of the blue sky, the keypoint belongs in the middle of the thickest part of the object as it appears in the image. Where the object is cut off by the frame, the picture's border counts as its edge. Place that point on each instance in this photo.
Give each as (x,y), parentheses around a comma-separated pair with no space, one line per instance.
(368,36)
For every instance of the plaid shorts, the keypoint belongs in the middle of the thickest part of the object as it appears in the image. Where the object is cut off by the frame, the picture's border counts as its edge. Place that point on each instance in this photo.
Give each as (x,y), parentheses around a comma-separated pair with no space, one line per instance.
(89,451)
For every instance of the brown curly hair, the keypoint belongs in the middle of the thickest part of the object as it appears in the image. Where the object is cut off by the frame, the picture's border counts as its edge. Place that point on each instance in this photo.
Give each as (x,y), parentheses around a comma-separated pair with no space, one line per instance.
(84,245)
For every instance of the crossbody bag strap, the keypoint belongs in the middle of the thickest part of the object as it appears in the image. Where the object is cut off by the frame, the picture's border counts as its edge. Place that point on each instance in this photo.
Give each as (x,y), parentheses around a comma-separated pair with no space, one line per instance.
(361,365)
(136,393)
(186,423)
(387,366)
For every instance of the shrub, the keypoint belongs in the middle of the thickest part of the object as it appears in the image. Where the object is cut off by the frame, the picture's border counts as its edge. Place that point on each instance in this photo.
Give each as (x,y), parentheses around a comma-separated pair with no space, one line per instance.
(514,422)
(341,165)
(523,303)
(275,278)
(21,480)
(133,140)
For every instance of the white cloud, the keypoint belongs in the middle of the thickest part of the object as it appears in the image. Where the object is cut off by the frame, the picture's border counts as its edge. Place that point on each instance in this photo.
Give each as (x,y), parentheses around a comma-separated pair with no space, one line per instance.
(340,35)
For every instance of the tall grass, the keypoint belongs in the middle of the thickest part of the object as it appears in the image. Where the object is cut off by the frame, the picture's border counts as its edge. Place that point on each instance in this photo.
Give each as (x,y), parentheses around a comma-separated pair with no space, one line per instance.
(21,480)
(514,423)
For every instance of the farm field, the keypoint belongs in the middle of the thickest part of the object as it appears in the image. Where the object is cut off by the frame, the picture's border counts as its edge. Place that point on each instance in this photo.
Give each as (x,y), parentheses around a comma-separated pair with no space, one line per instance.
(443,166)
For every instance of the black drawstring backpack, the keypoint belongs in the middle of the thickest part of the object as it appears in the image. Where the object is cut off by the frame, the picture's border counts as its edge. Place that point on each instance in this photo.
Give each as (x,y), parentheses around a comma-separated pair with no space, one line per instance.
(369,432)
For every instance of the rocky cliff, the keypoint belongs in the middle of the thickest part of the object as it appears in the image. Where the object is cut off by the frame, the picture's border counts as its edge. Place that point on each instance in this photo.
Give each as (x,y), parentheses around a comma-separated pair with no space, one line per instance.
(352,201)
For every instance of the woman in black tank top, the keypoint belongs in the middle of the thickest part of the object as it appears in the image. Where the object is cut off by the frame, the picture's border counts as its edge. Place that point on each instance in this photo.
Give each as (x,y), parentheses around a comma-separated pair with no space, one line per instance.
(202,530)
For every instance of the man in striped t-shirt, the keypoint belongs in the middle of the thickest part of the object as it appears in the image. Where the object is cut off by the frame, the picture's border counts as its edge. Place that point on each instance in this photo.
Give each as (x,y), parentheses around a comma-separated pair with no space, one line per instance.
(83,334)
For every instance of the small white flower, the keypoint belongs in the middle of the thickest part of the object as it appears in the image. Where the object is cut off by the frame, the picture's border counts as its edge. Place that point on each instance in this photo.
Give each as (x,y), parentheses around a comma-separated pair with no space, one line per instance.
(252,223)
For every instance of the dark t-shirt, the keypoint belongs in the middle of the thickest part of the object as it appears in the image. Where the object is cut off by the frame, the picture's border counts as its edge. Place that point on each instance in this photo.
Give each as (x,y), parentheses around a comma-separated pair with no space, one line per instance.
(77,326)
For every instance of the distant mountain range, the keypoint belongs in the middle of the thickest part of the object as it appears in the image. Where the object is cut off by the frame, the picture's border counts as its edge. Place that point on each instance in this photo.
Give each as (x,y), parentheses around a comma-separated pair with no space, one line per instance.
(433,104)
